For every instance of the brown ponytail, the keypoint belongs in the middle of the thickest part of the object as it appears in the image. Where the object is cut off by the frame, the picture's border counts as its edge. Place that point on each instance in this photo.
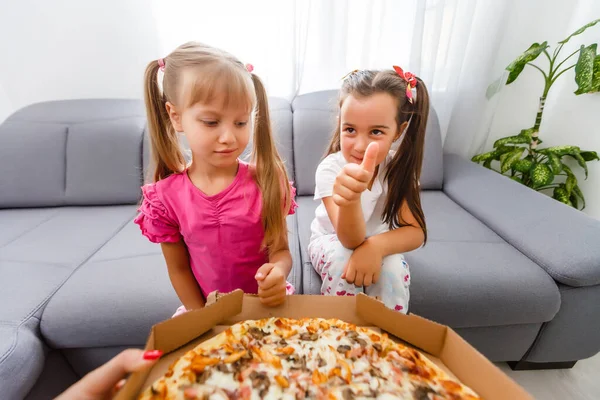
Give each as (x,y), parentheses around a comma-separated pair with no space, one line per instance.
(270,174)
(166,154)
(404,170)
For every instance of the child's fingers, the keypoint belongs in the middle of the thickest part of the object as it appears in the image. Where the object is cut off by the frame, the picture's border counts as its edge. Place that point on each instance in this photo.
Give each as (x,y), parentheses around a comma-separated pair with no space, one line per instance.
(263,271)
(376,277)
(368,280)
(350,274)
(370,158)
(274,300)
(272,291)
(360,279)
(351,183)
(358,173)
(345,192)
(271,280)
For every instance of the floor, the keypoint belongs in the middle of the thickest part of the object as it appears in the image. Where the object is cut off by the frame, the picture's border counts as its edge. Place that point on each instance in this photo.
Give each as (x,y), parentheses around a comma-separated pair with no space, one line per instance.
(582,382)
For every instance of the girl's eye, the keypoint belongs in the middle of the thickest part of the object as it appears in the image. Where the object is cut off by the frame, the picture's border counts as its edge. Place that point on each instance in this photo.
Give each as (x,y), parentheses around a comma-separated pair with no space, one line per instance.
(376,132)
(241,124)
(210,123)
(349,130)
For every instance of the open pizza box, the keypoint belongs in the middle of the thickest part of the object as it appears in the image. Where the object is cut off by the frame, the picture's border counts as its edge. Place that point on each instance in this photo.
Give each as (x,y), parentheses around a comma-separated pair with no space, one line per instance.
(440,344)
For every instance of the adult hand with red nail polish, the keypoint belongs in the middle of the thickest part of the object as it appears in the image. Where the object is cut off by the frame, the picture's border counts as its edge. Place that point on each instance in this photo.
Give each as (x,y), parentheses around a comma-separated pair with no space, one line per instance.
(105,381)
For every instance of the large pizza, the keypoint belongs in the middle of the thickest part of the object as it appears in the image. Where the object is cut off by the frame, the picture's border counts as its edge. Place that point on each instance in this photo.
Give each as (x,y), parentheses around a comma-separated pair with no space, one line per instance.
(280,358)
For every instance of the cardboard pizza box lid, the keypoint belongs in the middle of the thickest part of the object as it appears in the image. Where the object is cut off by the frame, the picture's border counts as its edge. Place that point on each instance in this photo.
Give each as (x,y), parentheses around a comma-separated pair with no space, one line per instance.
(178,335)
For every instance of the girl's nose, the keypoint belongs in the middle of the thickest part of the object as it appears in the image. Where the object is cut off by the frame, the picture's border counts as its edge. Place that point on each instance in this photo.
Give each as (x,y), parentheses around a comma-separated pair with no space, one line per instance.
(226,136)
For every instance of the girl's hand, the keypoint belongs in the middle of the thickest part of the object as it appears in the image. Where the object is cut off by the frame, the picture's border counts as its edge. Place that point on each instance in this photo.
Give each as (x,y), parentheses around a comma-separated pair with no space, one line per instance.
(271,285)
(105,381)
(355,179)
(364,265)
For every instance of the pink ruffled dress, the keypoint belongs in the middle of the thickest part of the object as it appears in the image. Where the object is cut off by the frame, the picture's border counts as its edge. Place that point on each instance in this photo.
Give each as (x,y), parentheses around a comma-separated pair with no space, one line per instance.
(223,232)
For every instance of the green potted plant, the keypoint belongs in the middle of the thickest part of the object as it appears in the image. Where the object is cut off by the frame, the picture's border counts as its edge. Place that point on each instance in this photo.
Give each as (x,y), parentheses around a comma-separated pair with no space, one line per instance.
(520,156)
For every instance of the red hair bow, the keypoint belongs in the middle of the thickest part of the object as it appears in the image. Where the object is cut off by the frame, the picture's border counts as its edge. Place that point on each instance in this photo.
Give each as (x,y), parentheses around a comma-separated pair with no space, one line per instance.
(410,79)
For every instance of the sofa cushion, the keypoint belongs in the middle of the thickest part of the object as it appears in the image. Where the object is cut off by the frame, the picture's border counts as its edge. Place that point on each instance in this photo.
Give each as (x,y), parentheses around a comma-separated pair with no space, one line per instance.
(560,239)
(38,251)
(314,122)
(466,276)
(21,358)
(64,236)
(125,286)
(109,303)
(75,152)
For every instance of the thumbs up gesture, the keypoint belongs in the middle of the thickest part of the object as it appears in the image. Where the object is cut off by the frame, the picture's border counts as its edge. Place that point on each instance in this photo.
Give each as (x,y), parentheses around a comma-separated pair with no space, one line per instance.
(354,178)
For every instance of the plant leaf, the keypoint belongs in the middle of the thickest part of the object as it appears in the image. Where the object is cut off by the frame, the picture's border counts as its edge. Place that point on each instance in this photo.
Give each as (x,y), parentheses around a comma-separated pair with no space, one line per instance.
(488,163)
(516,179)
(495,87)
(584,69)
(590,155)
(570,183)
(517,139)
(523,165)
(516,67)
(555,163)
(574,200)
(484,157)
(561,195)
(560,150)
(510,159)
(527,132)
(577,191)
(580,30)
(504,149)
(581,162)
(541,175)
(596,75)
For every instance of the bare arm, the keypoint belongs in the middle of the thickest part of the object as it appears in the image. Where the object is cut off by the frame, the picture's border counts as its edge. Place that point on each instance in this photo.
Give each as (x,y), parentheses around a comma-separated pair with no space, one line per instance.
(348,222)
(183,280)
(400,240)
(282,258)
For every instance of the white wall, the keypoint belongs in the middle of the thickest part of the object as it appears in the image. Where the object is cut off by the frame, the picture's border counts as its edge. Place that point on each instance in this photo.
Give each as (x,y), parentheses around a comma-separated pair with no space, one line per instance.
(73,49)
(568,119)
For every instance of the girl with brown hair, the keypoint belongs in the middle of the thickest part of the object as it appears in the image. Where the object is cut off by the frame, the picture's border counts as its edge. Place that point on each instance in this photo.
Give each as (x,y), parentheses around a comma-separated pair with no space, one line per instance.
(370,211)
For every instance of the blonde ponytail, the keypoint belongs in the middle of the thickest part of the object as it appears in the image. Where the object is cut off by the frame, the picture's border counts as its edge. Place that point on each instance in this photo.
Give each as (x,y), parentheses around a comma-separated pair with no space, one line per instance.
(167,156)
(271,176)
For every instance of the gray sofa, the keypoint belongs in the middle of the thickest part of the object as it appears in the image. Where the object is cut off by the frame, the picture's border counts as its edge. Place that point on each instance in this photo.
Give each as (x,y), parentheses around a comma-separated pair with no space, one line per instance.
(514,272)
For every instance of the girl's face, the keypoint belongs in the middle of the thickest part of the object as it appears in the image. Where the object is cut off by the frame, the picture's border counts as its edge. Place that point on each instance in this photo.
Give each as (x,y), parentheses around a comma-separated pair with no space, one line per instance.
(364,120)
(217,136)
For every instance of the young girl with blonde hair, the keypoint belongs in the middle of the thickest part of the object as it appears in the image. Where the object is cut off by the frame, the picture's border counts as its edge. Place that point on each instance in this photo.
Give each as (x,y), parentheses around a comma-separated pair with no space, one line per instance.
(220,222)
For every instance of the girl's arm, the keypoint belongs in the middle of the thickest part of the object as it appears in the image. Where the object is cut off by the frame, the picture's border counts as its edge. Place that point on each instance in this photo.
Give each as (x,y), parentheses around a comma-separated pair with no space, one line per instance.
(183,280)
(348,222)
(399,240)
(271,277)
(282,259)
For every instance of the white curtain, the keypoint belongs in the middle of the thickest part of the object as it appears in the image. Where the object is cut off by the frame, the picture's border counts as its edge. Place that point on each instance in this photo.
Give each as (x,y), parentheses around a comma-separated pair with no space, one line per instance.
(64,50)
(303,46)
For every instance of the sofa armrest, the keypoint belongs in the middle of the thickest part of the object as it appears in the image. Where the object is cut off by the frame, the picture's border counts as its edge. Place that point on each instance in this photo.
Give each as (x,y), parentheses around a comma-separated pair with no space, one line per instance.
(563,241)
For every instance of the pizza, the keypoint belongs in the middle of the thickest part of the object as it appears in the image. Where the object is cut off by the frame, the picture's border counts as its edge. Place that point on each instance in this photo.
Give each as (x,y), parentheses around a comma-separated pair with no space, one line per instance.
(279,358)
